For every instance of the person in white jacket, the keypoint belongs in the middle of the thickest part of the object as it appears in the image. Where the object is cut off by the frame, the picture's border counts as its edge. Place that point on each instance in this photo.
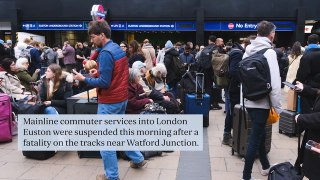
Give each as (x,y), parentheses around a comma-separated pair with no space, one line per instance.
(259,110)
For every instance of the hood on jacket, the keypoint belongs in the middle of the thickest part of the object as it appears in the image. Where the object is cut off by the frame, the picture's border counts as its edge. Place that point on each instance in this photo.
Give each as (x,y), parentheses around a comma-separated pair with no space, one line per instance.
(258,44)
(148,45)
(172,51)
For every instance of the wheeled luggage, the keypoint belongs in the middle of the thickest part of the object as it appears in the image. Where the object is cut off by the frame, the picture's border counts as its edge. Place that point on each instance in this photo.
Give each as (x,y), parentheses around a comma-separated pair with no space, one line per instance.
(198,102)
(287,124)
(89,154)
(241,132)
(5,118)
(39,155)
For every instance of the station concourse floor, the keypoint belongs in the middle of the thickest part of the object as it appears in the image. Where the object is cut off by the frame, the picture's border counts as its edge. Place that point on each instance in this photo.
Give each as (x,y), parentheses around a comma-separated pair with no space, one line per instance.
(215,162)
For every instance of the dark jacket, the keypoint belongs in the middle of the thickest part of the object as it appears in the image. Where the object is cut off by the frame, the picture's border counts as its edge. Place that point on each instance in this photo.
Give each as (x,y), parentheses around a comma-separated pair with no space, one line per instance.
(136,57)
(172,77)
(137,99)
(311,124)
(309,74)
(35,59)
(59,97)
(235,56)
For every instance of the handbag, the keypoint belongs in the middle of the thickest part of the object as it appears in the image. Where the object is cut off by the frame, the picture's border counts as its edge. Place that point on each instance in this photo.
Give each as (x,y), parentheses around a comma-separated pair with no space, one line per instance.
(273,116)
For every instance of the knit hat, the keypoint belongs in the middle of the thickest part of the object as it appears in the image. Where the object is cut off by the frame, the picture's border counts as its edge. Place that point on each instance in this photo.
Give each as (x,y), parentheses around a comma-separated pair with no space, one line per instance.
(168,44)
(1,41)
(138,65)
(9,41)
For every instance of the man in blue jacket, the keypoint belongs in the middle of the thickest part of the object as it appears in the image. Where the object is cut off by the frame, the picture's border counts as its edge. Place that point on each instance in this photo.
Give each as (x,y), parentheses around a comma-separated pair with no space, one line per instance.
(111,81)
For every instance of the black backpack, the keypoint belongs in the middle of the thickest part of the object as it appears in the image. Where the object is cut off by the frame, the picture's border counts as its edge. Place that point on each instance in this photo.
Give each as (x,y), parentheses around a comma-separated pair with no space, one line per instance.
(283,171)
(254,74)
(206,57)
(178,66)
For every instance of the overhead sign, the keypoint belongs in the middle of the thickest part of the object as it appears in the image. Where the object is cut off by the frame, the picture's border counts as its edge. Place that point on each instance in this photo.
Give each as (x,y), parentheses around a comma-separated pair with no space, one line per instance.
(115,25)
(54,25)
(246,26)
(153,26)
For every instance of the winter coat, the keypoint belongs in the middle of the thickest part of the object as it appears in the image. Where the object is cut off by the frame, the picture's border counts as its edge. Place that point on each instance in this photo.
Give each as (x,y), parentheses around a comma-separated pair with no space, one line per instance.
(149,54)
(172,77)
(69,55)
(136,57)
(52,56)
(235,56)
(59,97)
(309,74)
(311,124)
(275,95)
(137,99)
(25,78)
(292,69)
(11,85)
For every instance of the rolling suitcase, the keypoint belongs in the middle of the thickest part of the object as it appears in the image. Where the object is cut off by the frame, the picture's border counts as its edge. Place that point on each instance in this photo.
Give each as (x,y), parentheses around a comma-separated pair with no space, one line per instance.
(39,155)
(287,124)
(5,118)
(241,134)
(199,102)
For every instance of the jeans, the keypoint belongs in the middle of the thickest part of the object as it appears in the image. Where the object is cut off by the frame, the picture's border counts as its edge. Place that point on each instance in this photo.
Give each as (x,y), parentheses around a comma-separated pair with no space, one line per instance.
(109,158)
(229,111)
(50,110)
(256,141)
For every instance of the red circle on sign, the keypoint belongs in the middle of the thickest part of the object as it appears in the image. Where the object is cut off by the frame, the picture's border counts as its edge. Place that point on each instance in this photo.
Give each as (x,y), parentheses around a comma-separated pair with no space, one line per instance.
(230,25)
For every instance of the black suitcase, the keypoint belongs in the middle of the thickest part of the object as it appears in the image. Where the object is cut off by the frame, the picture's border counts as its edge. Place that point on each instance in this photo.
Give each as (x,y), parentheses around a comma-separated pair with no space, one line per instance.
(287,124)
(39,155)
(83,106)
(89,154)
(241,134)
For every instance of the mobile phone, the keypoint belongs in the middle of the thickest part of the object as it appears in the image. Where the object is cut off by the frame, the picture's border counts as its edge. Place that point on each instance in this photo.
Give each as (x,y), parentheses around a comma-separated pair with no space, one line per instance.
(289,85)
(73,71)
(311,143)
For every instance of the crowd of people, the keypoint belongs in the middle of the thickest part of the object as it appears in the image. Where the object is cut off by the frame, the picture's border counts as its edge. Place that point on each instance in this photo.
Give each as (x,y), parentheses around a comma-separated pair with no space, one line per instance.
(131,75)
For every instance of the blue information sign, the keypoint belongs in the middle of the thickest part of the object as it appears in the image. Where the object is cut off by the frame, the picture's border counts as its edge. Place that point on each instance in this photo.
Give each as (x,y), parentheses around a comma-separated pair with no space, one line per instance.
(73,25)
(246,26)
(157,26)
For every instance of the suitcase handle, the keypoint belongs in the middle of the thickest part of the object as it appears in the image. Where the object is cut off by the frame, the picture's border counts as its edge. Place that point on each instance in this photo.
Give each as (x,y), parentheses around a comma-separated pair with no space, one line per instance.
(199,93)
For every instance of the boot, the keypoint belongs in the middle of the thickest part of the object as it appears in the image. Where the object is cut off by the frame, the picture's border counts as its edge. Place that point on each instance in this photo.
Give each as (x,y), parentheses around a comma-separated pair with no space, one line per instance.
(227,139)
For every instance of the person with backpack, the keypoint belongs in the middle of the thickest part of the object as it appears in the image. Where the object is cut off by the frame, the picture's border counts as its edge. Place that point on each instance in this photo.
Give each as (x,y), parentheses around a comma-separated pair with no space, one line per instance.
(261,89)
(205,66)
(174,66)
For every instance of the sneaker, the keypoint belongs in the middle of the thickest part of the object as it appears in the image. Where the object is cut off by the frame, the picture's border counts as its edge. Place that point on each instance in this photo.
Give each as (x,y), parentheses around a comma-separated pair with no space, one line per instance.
(227,139)
(102,177)
(138,165)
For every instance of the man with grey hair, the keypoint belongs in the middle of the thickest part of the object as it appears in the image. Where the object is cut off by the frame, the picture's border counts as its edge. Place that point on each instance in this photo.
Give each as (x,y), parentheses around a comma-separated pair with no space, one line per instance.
(259,110)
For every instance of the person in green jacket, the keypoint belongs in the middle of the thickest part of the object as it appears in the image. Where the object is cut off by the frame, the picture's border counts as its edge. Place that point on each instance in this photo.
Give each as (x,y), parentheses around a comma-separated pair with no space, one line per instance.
(25,78)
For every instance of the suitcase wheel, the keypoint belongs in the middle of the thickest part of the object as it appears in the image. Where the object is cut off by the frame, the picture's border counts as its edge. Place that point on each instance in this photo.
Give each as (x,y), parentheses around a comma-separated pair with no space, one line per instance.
(280,131)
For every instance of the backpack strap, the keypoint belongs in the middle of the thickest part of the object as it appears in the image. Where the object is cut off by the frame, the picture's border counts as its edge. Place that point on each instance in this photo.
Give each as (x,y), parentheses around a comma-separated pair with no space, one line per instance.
(262,51)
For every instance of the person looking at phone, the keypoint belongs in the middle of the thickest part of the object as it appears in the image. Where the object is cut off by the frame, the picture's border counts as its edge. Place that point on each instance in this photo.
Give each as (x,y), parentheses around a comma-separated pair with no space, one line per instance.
(311,123)
(111,80)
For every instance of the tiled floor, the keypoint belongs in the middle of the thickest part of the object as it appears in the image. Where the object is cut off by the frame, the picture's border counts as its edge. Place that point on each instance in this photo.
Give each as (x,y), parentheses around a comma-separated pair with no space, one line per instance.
(67,165)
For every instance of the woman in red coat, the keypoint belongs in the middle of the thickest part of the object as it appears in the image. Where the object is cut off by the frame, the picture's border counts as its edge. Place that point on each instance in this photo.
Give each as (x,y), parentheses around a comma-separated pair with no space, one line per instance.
(137,97)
